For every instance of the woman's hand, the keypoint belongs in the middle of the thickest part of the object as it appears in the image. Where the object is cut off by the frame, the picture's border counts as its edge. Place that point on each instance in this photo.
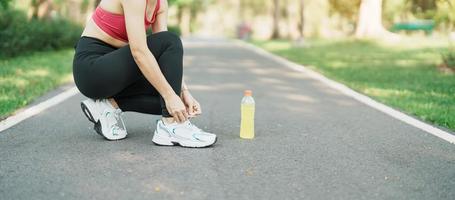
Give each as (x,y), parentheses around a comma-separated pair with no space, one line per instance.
(193,107)
(176,108)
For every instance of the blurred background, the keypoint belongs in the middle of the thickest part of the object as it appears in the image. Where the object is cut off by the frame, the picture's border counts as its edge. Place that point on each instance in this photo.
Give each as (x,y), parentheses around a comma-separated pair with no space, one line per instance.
(274,18)
(396,51)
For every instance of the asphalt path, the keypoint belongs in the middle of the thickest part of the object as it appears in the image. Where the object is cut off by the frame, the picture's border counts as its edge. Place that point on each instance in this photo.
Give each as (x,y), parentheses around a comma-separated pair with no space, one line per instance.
(312,142)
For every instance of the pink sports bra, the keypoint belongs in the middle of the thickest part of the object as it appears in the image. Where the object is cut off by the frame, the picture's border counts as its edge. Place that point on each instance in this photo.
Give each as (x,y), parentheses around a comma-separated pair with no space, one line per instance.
(114,24)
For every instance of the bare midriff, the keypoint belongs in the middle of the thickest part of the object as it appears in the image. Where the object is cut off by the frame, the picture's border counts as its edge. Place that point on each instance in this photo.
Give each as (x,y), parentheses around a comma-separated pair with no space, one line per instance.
(93,30)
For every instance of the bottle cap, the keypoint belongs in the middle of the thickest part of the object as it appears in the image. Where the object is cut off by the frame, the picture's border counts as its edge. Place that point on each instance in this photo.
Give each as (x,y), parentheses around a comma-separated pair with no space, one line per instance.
(247,93)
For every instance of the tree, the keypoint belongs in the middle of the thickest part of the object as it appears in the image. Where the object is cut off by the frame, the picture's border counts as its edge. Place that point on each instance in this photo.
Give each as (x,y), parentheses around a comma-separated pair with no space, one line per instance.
(370,20)
(41,8)
(347,9)
(301,25)
(276,19)
(252,6)
(186,11)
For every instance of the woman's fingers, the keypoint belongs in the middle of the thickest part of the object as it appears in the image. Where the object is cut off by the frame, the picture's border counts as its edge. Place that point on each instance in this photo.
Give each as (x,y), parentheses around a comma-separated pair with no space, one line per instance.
(180,116)
(177,108)
(191,109)
(185,115)
(198,109)
(176,116)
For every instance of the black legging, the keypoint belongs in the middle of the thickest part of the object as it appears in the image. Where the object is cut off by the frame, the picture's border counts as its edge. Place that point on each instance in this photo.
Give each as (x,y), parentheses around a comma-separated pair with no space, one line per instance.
(102,71)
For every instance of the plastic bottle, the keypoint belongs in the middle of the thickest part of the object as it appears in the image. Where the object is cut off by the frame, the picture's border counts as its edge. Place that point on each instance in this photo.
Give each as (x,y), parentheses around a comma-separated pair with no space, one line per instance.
(247,108)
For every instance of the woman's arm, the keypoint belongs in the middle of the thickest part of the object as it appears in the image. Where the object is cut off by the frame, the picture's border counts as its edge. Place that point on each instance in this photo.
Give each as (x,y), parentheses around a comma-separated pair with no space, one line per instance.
(161,25)
(134,19)
(161,18)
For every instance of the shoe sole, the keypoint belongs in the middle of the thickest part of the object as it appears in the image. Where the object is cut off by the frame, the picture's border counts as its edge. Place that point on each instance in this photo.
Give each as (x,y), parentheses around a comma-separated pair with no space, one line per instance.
(88,114)
(173,143)
(97,124)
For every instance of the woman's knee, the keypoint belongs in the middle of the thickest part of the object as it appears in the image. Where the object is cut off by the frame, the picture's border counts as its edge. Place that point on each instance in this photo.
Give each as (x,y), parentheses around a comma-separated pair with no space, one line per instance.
(168,38)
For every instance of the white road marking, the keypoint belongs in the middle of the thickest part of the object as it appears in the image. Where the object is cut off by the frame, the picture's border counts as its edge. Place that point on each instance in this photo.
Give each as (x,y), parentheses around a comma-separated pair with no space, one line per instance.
(36,109)
(349,92)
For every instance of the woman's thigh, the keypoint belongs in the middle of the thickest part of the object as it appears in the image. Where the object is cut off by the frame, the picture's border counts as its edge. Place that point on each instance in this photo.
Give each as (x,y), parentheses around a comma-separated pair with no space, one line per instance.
(140,87)
(117,70)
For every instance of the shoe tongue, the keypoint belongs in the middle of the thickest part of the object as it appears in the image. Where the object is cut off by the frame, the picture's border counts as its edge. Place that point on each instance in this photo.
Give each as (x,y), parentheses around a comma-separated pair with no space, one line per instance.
(174,122)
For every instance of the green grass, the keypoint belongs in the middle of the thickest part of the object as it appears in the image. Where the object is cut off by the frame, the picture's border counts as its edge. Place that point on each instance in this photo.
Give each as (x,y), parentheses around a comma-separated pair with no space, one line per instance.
(24,78)
(403,74)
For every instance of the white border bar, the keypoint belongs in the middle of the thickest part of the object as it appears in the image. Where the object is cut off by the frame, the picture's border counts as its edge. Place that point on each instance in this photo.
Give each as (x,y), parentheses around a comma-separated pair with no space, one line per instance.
(36,109)
(349,92)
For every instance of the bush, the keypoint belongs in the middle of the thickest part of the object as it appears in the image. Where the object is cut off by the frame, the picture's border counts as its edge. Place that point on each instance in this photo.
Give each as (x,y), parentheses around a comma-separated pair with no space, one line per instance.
(5,4)
(449,58)
(19,35)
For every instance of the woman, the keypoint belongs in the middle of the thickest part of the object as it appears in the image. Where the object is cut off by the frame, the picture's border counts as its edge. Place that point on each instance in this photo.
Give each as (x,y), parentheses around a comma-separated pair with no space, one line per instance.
(120,68)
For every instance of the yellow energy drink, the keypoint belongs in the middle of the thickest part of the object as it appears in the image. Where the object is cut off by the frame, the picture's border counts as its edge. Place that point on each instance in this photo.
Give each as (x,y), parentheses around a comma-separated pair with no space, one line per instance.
(247,108)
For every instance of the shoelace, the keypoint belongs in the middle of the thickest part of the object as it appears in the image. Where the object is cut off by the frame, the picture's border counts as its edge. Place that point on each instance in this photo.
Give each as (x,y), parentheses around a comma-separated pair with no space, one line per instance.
(194,126)
(188,125)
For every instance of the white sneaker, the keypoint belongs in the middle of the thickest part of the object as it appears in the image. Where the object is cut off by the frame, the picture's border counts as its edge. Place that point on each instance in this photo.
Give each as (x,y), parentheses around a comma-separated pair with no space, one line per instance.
(184,134)
(105,117)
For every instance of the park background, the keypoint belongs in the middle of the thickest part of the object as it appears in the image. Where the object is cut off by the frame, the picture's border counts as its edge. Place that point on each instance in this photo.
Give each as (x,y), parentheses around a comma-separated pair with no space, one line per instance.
(369,45)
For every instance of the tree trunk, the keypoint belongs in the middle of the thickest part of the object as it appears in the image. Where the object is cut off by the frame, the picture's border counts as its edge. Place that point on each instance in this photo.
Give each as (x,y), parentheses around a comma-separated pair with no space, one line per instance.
(34,8)
(276,19)
(370,20)
(301,25)
(40,9)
